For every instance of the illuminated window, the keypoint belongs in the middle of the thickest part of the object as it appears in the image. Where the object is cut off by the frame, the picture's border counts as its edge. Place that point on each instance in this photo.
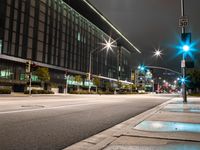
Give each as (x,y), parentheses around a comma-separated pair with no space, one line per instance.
(5,74)
(79,36)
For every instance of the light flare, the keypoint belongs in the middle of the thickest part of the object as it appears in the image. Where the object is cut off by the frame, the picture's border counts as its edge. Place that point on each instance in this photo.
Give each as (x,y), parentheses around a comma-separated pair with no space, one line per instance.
(108,44)
(157,53)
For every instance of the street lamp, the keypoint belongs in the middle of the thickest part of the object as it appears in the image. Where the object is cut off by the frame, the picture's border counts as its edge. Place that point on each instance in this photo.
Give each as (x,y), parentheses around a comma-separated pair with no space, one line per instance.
(108,45)
(157,53)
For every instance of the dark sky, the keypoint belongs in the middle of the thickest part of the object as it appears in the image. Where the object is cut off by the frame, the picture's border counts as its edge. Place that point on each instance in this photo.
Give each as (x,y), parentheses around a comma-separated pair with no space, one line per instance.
(150,24)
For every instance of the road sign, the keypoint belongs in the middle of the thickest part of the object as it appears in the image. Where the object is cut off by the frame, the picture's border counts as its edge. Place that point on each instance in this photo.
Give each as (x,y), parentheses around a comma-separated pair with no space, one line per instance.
(183,64)
(183,21)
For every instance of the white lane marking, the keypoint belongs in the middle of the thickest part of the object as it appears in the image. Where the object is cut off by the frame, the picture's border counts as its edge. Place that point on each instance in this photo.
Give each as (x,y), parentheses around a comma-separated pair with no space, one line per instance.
(56,107)
(38,109)
(89,100)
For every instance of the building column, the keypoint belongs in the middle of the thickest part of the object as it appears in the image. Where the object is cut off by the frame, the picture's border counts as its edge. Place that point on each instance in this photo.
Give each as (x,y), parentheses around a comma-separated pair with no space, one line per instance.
(119,56)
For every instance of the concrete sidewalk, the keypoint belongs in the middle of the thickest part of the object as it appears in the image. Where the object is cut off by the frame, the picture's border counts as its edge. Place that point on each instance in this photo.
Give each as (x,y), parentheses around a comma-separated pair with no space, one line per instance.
(171,125)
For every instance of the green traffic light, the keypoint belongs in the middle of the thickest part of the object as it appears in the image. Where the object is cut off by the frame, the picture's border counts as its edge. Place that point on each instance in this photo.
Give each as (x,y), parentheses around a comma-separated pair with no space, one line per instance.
(186,48)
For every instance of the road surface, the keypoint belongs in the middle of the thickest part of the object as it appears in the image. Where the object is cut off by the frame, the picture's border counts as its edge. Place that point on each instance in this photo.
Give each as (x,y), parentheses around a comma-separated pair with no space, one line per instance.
(55,122)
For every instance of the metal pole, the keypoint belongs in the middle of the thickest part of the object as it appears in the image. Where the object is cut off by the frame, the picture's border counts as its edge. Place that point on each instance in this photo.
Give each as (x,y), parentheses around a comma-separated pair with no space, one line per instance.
(183,59)
(119,62)
(66,88)
(30,83)
(90,68)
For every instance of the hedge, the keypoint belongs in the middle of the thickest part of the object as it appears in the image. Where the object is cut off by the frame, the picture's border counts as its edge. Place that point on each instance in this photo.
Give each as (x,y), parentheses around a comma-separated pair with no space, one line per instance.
(5,91)
(39,92)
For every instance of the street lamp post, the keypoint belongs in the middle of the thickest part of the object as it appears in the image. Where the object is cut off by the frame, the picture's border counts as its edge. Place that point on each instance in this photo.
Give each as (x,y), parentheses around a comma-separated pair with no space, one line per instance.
(108,46)
(90,68)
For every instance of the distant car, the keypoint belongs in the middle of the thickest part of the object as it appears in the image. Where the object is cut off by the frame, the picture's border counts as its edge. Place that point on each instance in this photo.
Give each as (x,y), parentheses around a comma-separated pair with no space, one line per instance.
(141,91)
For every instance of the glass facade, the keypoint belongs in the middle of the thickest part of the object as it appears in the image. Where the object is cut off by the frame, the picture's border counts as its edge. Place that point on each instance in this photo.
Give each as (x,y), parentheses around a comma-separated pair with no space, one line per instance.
(51,32)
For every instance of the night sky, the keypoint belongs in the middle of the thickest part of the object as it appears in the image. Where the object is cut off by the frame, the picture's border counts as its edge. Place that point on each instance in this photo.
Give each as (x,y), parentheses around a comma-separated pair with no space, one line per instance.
(153,24)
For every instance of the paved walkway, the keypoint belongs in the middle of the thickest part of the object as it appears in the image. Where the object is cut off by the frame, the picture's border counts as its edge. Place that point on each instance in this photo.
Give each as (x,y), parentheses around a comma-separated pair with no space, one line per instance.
(170,126)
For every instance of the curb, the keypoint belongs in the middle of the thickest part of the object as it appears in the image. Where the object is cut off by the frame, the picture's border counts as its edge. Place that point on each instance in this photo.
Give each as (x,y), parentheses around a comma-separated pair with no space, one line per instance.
(103,139)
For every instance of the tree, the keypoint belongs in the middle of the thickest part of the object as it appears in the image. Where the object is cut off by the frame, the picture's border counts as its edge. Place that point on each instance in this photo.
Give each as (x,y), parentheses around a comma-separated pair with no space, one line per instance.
(43,75)
(128,87)
(119,84)
(97,82)
(108,85)
(134,87)
(78,79)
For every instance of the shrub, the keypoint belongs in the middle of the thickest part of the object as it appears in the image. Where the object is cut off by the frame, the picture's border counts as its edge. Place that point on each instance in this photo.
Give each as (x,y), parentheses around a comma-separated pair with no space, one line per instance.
(82,92)
(39,92)
(195,94)
(105,92)
(5,91)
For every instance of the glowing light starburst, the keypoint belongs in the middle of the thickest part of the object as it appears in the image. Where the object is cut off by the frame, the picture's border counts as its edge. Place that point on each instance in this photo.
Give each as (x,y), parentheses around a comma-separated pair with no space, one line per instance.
(157,53)
(109,44)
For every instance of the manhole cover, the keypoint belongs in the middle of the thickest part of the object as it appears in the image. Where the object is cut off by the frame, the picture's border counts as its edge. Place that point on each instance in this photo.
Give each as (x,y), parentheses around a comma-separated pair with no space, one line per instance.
(32,106)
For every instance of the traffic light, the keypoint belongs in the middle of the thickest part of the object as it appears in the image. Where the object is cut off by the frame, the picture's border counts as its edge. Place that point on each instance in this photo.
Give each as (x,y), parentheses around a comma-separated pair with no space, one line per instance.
(142,68)
(28,67)
(33,65)
(27,77)
(186,41)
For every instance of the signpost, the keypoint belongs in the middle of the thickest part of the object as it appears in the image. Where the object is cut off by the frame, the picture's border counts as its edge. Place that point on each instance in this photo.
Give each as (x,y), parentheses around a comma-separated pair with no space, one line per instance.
(183,21)
(66,82)
(28,74)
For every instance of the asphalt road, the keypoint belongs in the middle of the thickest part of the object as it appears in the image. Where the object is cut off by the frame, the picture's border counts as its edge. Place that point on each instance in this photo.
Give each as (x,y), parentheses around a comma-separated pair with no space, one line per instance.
(55,122)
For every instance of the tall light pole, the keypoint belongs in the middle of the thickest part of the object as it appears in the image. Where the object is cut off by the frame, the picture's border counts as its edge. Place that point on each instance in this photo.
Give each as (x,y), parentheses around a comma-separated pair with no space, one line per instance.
(108,45)
(185,48)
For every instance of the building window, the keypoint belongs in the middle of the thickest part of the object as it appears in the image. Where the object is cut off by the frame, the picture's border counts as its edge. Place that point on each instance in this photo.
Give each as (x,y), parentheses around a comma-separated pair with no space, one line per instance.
(1,46)
(6,74)
(79,36)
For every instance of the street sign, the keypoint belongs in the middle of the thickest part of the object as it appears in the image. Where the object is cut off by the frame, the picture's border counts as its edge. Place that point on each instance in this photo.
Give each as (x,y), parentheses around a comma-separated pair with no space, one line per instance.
(183,64)
(183,21)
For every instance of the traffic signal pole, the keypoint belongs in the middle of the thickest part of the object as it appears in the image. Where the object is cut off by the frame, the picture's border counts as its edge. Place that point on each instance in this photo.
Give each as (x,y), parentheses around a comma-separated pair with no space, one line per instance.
(183,66)
(29,74)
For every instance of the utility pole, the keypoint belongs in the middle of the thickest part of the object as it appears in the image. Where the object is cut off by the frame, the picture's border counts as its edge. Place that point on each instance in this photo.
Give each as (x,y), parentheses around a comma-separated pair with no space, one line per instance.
(183,66)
